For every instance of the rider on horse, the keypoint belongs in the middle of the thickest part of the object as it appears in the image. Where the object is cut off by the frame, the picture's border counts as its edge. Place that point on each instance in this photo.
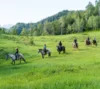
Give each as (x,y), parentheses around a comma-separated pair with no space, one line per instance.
(88,39)
(45,48)
(60,45)
(88,42)
(75,42)
(16,53)
(94,41)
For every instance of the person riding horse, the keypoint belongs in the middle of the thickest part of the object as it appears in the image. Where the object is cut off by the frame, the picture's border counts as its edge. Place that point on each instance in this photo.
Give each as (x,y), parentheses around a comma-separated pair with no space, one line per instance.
(16,53)
(88,42)
(94,41)
(60,45)
(45,48)
(61,48)
(75,43)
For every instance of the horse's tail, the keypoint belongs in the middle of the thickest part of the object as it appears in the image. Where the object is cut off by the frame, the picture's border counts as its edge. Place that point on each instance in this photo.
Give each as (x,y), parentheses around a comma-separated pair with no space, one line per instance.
(64,49)
(49,52)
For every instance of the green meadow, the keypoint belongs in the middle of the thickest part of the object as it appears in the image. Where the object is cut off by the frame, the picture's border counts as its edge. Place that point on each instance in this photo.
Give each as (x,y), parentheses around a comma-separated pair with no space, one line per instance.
(76,69)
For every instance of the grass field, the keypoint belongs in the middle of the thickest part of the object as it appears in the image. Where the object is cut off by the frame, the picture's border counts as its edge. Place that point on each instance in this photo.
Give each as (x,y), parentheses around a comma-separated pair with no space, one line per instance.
(77,69)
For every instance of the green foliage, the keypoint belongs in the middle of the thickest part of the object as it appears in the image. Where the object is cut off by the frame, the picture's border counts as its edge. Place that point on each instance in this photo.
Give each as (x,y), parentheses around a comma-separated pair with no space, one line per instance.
(32,41)
(14,32)
(2,30)
(24,32)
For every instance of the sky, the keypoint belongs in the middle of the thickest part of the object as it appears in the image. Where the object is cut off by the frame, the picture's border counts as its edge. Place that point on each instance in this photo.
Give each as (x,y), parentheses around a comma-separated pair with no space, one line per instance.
(14,11)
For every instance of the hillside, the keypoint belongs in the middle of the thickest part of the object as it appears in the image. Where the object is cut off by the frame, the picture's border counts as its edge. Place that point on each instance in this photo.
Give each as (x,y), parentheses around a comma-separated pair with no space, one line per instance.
(77,69)
(65,22)
(19,26)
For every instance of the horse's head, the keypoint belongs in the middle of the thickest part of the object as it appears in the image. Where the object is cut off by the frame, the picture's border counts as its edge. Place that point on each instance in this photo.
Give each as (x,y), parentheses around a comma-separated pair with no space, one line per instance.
(57,47)
(40,50)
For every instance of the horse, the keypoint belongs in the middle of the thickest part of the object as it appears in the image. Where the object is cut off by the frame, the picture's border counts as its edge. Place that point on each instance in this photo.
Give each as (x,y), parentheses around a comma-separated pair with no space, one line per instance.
(94,42)
(43,53)
(60,49)
(13,57)
(75,45)
(88,42)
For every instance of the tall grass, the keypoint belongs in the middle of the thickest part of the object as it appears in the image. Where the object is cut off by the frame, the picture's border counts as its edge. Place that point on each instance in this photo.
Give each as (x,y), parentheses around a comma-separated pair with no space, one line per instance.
(77,69)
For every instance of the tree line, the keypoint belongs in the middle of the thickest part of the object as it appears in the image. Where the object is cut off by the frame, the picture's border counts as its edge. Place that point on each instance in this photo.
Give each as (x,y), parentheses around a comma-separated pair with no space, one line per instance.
(71,22)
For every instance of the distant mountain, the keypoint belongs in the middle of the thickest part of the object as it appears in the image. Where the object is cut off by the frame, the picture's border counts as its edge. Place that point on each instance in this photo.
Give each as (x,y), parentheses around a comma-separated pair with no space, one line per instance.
(20,26)
(7,26)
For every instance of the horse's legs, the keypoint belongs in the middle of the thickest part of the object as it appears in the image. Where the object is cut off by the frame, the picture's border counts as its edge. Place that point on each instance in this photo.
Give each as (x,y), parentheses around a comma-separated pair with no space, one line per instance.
(49,54)
(59,52)
(13,62)
(20,60)
(24,60)
(42,56)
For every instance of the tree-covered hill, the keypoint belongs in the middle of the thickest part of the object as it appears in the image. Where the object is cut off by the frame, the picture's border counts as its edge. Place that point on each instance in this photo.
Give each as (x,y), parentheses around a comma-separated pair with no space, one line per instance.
(64,22)
(19,26)
(54,17)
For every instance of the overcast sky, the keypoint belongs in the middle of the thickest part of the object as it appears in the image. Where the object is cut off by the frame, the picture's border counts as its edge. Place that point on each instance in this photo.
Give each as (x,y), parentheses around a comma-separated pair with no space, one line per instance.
(13,11)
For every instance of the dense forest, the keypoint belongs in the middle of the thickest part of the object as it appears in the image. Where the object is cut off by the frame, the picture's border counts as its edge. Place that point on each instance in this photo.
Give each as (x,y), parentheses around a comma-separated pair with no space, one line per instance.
(65,22)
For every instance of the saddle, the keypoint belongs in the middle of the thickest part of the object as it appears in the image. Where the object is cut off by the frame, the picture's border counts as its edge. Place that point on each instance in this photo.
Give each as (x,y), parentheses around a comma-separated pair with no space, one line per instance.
(45,51)
(60,47)
(88,42)
(17,55)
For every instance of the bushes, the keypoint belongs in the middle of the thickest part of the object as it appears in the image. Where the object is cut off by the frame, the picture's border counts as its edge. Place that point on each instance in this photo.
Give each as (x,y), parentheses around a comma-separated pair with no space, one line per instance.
(31,41)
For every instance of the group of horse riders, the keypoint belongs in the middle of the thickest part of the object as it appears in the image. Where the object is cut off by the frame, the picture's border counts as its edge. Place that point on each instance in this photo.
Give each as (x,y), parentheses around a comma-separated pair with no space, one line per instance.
(75,45)
(88,42)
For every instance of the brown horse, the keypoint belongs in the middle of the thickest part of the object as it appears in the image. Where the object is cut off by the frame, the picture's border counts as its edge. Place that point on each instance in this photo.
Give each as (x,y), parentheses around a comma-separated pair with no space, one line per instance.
(88,42)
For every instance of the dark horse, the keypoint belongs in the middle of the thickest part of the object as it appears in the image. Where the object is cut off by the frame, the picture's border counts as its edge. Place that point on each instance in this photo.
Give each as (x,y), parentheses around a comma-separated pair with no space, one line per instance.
(94,42)
(60,49)
(88,42)
(43,53)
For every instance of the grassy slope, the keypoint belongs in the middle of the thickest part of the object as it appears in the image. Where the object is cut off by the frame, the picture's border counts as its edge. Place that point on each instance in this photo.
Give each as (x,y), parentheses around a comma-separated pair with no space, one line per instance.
(77,69)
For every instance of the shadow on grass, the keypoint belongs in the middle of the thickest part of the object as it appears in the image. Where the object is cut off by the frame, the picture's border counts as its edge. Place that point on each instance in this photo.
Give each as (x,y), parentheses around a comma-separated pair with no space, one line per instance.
(83,49)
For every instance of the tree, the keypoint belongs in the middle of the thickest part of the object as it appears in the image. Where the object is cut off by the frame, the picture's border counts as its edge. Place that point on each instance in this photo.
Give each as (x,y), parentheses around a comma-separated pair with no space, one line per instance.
(90,23)
(14,32)
(62,25)
(48,28)
(2,30)
(24,32)
(56,27)
(90,9)
(39,29)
